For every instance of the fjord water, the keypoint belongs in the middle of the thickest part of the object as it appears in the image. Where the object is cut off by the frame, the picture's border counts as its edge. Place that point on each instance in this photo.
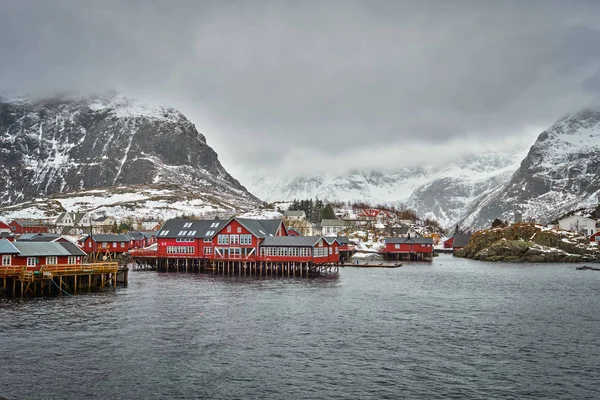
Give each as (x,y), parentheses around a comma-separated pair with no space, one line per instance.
(451,329)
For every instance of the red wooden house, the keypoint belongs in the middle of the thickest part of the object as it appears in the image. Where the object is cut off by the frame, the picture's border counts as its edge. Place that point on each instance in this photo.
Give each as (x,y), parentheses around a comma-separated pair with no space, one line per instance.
(185,238)
(33,255)
(109,243)
(239,238)
(19,226)
(448,243)
(410,248)
(142,239)
(4,228)
(595,237)
(313,249)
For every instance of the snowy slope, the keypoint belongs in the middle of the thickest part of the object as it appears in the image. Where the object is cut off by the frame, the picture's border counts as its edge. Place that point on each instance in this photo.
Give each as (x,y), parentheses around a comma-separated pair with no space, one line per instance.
(441,192)
(560,173)
(136,202)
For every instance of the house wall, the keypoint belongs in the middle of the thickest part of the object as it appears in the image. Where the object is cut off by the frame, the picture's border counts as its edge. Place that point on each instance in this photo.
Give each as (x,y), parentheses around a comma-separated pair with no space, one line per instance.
(408,248)
(91,246)
(235,228)
(22,261)
(18,229)
(578,224)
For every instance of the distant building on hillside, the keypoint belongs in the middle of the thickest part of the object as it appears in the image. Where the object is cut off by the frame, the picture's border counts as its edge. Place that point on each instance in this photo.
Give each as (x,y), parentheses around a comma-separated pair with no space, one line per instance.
(296,220)
(151,225)
(579,224)
(73,223)
(332,227)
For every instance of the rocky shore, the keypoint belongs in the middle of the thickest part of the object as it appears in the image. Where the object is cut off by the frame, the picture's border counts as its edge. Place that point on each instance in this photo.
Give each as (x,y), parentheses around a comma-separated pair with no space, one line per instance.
(529,243)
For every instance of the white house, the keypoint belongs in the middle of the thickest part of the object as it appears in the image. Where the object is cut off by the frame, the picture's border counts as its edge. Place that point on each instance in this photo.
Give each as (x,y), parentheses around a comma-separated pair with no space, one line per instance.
(73,222)
(331,227)
(577,223)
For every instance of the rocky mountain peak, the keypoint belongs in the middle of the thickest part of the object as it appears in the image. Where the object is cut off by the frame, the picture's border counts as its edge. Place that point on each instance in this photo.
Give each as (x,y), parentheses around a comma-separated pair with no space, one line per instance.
(66,143)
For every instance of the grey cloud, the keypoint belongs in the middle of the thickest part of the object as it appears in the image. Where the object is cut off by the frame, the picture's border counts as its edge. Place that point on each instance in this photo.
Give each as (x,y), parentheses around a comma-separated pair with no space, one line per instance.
(266,82)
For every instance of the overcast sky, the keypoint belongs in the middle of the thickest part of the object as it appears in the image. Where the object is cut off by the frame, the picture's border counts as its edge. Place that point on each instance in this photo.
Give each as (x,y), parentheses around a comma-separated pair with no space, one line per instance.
(294,87)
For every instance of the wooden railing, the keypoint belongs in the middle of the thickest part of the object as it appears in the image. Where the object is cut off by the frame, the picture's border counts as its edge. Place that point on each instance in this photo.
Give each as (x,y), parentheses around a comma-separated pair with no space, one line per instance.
(92,268)
(10,271)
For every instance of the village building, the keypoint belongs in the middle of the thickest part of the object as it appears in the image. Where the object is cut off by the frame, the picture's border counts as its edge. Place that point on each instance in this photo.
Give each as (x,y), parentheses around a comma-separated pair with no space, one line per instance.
(20,226)
(33,255)
(4,228)
(103,224)
(105,246)
(150,225)
(595,237)
(296,220)
(73,223)
(332,227)
(375,215)
(578,224)
(11,237)
(313,249)
(408,248)
(142,239)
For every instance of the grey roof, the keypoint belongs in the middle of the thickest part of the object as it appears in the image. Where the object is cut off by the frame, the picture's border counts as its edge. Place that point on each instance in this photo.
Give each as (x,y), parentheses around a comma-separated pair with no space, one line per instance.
(193,228)
(461,240)
(261,228)
(140,235)
(403,230)
(294,213)
(101,219)
(343,239)
(331,239)
(110,237)
(333,222)
(290,241)
(7,247)
(29,222)
(76,217)
(38,249)
(38,237)
(408,240)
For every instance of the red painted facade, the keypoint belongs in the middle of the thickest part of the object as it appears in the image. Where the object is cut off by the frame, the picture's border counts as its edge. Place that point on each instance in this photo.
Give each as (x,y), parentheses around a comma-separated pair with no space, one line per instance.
(448,243)
(595,237)
(89,245)
(408,248)
(17,228)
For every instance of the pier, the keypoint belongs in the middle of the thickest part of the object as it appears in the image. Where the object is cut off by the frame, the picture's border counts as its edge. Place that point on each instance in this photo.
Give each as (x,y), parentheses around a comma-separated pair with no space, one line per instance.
(19,281)
(231,266)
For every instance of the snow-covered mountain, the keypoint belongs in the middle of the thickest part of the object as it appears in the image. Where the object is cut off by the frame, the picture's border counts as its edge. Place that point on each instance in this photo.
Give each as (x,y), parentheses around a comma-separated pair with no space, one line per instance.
(67,144)
(442,192)
(560,173)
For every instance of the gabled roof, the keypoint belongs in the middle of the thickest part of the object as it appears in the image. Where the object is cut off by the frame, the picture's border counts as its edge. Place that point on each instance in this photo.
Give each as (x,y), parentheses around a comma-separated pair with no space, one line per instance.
(461,239)
(3,225)
(261,228)
(408,240)
(294,213)
(75,217)
(40,249)
(291,241)
(107,238)
(333,222)
(102,219)
(140,235)
(191,228)
(38,237)
(29,222)
(331,239)
(343,240)
(7,247)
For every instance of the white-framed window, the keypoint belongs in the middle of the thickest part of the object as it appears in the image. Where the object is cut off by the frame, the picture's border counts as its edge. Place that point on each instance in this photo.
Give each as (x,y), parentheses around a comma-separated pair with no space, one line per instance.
(184,240)
(239,229)
(397,246)
(234,239)
(6,259)
(223,239)
(336,251)
(122,245)
(207,240)
(246,239)
(263,251)
(90,244)
(330,250)
(208,250)
(72,260)
(114,244)
(31,261)
(51,260)
(228,228)
(187,225)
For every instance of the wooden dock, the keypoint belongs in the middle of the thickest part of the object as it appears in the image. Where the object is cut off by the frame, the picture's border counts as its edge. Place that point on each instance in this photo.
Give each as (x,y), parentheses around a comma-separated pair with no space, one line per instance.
(61,279)
(238,267)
